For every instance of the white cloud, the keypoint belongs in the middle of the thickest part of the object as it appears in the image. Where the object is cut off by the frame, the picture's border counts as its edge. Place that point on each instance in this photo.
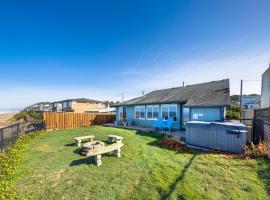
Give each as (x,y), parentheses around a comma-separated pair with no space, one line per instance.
(248,67)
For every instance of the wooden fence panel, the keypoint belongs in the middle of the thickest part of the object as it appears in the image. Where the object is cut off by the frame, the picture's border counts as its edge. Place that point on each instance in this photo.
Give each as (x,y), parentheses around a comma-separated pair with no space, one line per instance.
(74,120)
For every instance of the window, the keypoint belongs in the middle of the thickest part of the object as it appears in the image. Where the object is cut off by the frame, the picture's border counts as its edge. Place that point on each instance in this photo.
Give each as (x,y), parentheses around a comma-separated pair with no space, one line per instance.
(140,112)
(122,113)
(152,112)
(185,116)
(65,104)
(169,110)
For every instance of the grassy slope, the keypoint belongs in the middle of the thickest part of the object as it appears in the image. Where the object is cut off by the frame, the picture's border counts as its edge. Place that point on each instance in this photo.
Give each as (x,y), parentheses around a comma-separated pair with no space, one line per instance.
(144,171)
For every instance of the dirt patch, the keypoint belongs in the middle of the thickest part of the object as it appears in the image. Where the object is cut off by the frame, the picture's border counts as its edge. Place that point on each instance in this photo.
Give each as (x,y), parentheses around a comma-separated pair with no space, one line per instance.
(57,177)
(5,119)
(173,145)
(46,148)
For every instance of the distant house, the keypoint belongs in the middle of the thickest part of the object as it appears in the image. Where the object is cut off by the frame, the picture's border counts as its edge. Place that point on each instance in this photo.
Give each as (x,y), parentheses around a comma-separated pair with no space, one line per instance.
(200,102)
(79,105)
(40,107)
(251,102)
(265,100)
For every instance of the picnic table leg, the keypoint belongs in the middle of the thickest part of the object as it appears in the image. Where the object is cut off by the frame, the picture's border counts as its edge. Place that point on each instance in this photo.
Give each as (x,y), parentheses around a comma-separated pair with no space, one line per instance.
(98,160)
(117,153)
(78,143)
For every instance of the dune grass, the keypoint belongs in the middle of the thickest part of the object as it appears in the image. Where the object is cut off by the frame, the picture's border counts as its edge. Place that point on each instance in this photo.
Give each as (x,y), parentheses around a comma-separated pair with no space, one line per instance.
(55,170)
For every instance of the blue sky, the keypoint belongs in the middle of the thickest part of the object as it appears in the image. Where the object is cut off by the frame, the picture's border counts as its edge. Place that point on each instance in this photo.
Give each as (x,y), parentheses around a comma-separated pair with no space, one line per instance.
(52,50)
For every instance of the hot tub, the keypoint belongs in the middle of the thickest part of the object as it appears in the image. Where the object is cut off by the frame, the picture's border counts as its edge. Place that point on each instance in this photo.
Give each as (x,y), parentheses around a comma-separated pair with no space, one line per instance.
(224,136)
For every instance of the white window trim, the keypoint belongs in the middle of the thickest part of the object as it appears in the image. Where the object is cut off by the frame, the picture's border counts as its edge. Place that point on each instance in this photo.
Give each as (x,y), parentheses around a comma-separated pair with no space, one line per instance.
(140,118)
(152,112)
(168,105)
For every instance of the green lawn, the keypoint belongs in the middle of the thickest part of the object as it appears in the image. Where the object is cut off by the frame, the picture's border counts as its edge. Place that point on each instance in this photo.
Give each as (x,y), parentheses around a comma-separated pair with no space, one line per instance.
(55,170)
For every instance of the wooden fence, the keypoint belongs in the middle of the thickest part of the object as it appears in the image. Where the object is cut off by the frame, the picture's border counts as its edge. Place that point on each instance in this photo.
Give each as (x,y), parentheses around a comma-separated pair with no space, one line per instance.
(73,120)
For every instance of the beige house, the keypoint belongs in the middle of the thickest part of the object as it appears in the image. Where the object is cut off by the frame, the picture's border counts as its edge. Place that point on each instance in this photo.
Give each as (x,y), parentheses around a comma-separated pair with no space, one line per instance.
(80,105)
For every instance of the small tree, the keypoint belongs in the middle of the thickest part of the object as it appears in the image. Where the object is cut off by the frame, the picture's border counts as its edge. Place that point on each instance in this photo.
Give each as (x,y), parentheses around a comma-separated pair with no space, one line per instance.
(233,112)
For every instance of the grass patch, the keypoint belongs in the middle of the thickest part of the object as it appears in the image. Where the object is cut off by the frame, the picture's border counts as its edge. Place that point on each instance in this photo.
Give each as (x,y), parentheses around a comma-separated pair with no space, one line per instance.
(10,161)
(145,171)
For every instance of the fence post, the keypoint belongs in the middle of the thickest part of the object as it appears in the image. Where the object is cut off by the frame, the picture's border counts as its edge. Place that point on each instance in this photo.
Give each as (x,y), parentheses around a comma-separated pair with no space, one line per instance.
(2,138)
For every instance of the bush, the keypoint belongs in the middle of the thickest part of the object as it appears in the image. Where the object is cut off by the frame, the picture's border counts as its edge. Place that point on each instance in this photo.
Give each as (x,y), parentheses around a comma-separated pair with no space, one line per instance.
(253,151)
(28,115)
(9,163)
(233,112)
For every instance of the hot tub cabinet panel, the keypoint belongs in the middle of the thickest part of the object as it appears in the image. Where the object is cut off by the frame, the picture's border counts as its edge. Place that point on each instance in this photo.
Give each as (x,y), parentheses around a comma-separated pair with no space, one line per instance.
(228,137)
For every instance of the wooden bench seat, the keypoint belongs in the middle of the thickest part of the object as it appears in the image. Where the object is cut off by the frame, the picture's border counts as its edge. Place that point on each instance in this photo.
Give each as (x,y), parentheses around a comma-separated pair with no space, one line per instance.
(79,140)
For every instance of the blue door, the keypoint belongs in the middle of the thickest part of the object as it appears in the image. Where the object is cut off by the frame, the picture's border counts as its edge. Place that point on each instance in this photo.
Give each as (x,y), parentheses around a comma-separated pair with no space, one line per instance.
(185,117)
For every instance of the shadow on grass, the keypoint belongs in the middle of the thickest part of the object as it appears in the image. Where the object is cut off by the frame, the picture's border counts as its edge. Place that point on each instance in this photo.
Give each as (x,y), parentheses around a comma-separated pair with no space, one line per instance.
(179,179)
(152,134)
(84,160)
(264,172)
(70,145)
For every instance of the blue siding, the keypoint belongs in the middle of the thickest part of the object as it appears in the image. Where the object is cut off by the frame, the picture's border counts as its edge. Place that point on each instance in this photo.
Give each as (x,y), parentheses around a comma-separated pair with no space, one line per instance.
(207,114)
(204,114)
(117,113)
(145,122)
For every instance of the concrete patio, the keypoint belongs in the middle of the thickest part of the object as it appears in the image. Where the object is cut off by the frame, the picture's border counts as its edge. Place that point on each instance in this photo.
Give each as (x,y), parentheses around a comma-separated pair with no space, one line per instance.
(176,134)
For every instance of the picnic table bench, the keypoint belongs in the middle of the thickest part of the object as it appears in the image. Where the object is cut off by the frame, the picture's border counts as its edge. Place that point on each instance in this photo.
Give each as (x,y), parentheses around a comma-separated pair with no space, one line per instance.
(114,138)
(79,140)
(115,148)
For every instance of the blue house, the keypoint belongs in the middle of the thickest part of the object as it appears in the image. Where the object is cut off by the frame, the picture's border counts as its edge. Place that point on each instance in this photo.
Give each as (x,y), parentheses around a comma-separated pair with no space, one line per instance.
(251,102)
(200,102)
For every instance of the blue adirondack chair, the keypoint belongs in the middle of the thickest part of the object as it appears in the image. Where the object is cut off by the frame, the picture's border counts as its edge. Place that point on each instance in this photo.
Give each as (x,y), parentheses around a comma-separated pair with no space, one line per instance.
(167,124)
(158,123)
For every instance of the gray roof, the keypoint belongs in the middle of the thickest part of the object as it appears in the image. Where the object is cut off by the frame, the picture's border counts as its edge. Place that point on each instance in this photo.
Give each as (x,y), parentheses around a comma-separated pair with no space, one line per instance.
(267,72)
(215,93)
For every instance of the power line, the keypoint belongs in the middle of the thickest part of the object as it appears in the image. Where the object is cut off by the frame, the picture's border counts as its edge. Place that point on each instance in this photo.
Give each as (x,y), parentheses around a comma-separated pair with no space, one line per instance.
(252,80)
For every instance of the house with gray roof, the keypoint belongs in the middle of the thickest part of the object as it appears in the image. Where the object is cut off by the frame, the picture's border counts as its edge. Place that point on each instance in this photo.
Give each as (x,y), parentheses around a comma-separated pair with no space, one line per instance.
(200,102)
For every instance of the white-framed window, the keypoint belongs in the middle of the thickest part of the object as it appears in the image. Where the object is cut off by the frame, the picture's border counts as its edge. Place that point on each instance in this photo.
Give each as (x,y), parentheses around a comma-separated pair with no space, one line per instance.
(169,110)
(152,112)
(140,112)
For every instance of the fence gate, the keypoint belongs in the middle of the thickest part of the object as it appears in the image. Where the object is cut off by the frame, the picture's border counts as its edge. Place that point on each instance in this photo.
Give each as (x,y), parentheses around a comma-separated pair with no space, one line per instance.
(258,130)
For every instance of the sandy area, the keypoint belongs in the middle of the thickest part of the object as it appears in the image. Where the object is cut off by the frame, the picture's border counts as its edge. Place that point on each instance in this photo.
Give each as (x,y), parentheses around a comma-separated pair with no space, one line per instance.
(4,118)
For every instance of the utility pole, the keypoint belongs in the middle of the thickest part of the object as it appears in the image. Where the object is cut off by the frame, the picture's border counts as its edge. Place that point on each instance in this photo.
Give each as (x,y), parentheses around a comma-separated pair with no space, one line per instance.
(241,101)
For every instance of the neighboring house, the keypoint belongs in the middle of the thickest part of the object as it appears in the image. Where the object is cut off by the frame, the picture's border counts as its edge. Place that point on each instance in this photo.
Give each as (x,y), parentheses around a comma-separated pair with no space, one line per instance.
(79,105)
(201,102)
(265,99)
(251,102)
(40,107)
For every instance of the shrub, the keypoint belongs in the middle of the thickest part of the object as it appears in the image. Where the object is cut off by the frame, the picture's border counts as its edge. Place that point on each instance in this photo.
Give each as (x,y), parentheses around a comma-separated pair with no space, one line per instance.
(9,163)
(233,112)
(252,150)
(28,115)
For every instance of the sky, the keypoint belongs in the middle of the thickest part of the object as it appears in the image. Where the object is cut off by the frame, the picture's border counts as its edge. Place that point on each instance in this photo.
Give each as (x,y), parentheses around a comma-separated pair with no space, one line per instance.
(52,50)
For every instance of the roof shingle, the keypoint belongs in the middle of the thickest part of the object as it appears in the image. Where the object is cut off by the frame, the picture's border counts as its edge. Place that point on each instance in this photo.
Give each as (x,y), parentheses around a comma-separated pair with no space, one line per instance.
(215,93)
